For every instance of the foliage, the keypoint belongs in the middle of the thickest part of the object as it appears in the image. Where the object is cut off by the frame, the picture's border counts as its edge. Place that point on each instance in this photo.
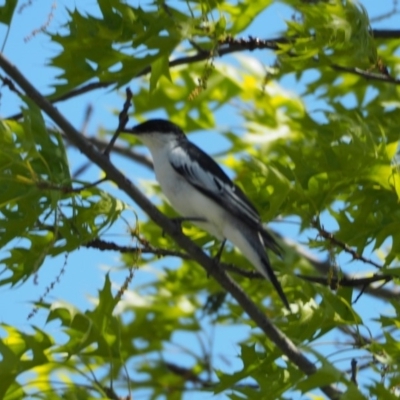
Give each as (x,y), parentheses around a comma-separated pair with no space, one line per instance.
(333,165)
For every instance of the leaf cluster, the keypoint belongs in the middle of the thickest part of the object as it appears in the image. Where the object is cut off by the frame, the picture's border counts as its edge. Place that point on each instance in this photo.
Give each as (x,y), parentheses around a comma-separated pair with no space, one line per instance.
(327,159)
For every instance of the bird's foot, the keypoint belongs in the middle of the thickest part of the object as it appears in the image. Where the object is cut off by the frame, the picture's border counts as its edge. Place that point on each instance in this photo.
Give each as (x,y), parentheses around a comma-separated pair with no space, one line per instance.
(217,257)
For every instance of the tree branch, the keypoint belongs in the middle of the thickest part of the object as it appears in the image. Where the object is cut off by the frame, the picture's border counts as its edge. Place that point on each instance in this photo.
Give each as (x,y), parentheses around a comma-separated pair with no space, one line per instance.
(323,267)
(372,76)
(338,243)
(211,266)
(124,151)
(104,245)
(386,33)
(229,46)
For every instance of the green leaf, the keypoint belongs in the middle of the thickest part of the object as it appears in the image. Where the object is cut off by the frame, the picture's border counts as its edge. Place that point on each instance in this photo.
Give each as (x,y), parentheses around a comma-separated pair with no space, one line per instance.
(325,375)
(37,203)
(243,13)
(159,68)
(20,352)
(93,333)
(7,11)
(353,393)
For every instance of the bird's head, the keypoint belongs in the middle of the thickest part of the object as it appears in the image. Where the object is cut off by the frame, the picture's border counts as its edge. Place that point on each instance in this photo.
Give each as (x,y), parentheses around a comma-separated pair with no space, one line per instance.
(156,132)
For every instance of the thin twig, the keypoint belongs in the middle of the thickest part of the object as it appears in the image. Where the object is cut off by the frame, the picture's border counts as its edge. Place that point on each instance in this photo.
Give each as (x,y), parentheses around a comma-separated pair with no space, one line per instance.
(10,84)
(354,371)
(122,121)
(383,77)
(104,245)
(336,242)
(229,46)
(124,151)
(334,282)
(44,26)
(67,188)
(71,94)
(50,287)
(386,15)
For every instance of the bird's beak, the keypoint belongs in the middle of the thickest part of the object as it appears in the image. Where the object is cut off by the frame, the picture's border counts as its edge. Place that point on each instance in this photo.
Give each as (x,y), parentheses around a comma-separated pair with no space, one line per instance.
(132,131)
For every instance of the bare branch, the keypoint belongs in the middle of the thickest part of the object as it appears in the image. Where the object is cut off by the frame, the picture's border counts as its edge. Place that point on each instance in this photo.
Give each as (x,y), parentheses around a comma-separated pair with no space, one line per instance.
(229,46)
(104,245)
(186,374)
(322,267)
(10,84)
(354,370)
(122,121)
(338,243)
(71,94)
(386,15)
(384,77)
(124,151)
(386,33)
(44,26)
(334,282)
(67,188)
(50,287)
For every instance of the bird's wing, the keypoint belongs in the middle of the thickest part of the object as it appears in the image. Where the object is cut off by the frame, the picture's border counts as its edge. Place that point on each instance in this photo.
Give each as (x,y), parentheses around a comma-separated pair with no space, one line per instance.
(202,172)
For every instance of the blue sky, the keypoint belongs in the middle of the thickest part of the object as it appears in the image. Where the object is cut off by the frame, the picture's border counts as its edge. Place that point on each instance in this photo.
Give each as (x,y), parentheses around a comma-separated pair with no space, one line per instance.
(85,269)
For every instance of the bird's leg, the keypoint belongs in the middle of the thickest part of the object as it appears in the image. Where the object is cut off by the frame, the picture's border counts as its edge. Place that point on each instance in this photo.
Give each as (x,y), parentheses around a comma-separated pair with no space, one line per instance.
(217,257)
(219,252)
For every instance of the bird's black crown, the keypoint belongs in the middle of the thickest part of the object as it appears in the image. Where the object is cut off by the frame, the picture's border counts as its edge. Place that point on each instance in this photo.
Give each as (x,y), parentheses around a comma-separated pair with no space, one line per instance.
(157,125)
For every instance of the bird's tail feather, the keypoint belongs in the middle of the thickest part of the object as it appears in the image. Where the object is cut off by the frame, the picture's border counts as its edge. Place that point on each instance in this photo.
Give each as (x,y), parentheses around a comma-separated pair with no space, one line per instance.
(274,280)
(270,242)
(252,244)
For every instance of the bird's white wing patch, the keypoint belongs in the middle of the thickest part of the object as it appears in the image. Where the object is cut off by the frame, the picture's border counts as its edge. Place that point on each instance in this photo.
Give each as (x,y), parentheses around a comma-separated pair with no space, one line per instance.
(217,187)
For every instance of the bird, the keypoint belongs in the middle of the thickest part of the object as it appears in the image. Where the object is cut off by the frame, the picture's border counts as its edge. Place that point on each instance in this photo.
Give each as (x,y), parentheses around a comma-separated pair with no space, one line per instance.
(200,191)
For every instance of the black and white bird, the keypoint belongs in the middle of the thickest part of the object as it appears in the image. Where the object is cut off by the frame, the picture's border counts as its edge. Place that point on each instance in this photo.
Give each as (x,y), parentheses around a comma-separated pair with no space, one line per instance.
(200,190)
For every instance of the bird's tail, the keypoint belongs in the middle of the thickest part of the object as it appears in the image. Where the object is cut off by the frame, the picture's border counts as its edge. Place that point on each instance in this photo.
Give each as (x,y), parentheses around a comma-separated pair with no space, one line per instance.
(270,242)
(274,280)
(252,244)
